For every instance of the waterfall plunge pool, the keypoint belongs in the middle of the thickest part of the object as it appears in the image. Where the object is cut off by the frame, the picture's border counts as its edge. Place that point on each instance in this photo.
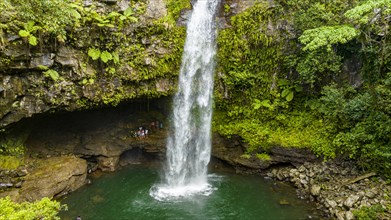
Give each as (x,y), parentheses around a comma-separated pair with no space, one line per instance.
(125,194)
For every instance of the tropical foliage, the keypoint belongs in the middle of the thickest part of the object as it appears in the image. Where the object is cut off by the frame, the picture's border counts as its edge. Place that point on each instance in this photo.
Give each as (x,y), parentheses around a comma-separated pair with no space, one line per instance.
(43,209)
(319,81)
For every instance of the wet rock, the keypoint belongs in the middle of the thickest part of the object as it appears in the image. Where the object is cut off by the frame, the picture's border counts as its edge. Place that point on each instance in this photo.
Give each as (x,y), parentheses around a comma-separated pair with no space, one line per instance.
(371,193)
(68,56)
(184,17)
(22,172)
(315,190)
(349,215)
(340,215)
(280,176)
(6,185)
(351,200)
(42,60)
(331,203)
(284,202)
(108,163)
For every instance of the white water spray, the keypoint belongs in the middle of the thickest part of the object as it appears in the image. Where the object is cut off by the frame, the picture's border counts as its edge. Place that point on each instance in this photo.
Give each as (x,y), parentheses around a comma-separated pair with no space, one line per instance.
(189,144)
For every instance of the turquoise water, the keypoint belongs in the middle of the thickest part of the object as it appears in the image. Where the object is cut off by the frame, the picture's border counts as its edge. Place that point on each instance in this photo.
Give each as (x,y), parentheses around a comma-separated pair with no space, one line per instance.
(125,195)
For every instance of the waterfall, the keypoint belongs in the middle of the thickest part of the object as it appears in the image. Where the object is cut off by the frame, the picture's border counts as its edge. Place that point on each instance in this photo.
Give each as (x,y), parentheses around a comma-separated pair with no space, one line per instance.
(189,143)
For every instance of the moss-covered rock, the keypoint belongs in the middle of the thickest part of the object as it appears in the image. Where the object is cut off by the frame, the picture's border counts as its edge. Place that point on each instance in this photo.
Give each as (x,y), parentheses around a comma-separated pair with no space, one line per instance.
(50,177)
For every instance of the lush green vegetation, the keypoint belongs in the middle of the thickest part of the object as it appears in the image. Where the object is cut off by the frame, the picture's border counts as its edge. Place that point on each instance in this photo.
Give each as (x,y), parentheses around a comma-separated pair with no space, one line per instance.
(309,74)
(123,52)
(43,209)
(369,213)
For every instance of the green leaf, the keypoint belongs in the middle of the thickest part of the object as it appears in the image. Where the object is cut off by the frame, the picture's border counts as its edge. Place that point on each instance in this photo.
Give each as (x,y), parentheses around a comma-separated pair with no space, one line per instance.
(33,40)
(53,74)
(257,104)
(111,70)
(29,26)
(75,14)
(266,103)
(113,14)
(289,97)
(283,82)
(132,19)
(115,57)
(42,67)
(94,53)
(128,12)
(285,92)
(24,33)
(298,88)
(106,56)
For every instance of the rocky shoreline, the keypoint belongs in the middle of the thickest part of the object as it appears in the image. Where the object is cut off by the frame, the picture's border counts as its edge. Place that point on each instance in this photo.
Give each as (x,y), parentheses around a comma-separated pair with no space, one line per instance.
(337,187)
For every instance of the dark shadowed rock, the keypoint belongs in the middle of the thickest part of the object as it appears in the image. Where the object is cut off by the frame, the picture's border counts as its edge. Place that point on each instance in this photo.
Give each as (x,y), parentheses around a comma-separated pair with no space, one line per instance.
(292,155)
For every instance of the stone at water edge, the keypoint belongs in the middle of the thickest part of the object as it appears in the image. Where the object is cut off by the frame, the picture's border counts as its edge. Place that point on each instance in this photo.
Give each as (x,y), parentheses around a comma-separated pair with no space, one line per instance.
(284,202)
(315,190)
(52,177)
(351,200)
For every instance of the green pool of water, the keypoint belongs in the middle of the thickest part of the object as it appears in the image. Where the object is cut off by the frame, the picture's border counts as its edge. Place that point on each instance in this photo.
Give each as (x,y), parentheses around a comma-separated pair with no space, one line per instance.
(125,195)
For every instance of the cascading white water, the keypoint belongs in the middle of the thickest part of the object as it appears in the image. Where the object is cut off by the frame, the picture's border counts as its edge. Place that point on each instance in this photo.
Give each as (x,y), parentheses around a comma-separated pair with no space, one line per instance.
(189,144)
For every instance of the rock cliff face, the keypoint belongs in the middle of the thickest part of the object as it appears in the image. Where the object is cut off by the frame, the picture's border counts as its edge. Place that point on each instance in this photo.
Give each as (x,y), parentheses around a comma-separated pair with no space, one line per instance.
(143,55)
(54,75)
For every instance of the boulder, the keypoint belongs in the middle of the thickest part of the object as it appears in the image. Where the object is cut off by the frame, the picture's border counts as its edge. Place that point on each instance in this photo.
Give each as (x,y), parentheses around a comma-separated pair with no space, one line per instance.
(315,190)
(351,200)
(53,177)
(331,203)
(349,215)
(108,163)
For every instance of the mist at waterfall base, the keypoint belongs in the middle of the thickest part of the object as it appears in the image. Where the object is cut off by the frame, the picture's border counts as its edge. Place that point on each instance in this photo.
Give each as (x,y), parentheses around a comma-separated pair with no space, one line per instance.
(189,143)
(124,195)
